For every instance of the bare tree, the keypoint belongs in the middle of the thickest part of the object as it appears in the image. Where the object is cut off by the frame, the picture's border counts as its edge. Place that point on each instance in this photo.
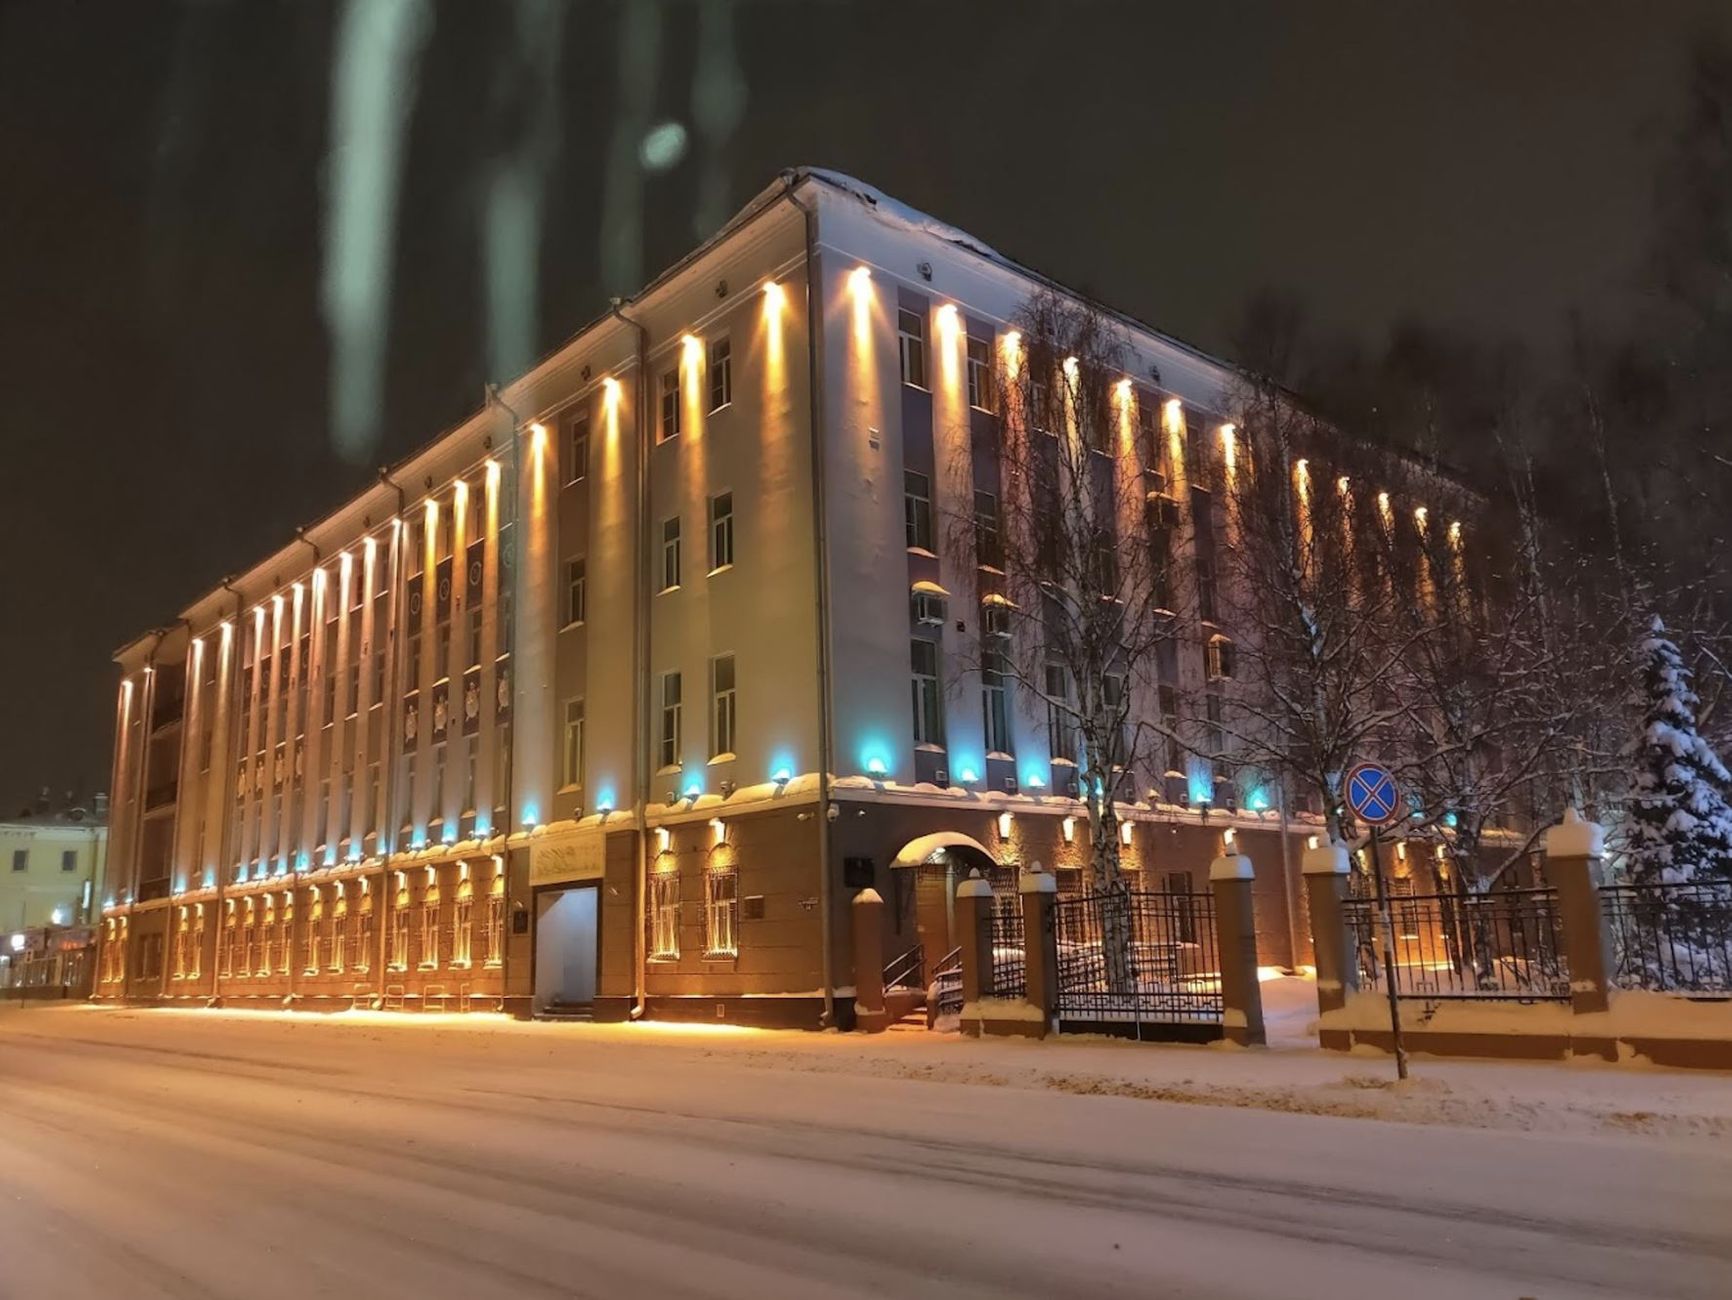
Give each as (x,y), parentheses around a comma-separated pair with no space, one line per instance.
(1078,567)
(1307,602)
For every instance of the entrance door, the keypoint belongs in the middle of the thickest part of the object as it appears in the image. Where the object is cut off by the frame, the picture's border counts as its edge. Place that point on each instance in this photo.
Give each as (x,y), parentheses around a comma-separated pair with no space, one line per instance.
(565,928)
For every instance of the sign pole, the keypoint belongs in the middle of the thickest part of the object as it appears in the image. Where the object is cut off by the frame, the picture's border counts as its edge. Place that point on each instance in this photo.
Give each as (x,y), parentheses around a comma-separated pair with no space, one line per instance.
(1388,927)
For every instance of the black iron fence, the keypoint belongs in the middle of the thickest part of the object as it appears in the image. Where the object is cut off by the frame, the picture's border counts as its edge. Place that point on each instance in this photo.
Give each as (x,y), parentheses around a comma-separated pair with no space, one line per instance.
(1009,958)
(1506,945)
(1133,955)
(946,987)
(1674,938)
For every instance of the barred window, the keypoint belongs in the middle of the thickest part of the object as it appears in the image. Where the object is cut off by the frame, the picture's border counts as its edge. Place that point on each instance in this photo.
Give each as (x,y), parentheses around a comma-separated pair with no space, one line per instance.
(722,912)
(665,916)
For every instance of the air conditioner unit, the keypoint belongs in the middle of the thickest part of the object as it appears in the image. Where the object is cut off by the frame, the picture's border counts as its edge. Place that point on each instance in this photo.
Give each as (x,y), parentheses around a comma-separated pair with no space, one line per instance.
(1163,510)
(929,608)
(995,621)
(1010,785)
(941,776)
(726,787)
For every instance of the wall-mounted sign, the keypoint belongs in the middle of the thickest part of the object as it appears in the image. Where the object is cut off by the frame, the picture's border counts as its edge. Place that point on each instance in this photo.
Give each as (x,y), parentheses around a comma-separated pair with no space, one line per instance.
(563,856)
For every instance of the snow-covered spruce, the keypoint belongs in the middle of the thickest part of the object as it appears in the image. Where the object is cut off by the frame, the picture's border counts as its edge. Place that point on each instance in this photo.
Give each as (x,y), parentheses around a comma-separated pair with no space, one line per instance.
(1680,828)
(1678,836)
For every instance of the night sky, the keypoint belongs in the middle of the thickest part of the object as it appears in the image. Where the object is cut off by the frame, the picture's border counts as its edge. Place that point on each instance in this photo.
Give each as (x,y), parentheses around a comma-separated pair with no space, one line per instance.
(165,366)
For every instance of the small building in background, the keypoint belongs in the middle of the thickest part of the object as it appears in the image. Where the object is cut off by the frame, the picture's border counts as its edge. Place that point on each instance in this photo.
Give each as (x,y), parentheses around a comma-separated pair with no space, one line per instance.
(53,859)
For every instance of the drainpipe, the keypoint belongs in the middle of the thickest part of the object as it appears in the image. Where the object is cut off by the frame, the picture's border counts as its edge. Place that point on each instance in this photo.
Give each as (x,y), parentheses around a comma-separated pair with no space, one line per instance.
(225,837)
(393,692)
(821,560)
(640,678)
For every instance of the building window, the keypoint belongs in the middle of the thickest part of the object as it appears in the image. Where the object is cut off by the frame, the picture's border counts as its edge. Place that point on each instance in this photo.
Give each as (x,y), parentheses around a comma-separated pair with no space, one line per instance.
(315,933)
(721,374)
(430,930)
(400,933)
(995,704)
(20,859)
(911,331)
(670,425)
(341,937)
(664,916)
(287,947)
(670,736)
(574,591)
(573,767)
(928,710)
(226,958)
(362,958)
(496,921)
(1182,886)
(461,924)
(268,941)
(721,531)
(988,545)
(917,510)
(1213,737)
(1113,697)
(722,707)
(1060,719)
(722,913)
(177,954)
(670,553)
(577,450)
(1218,658)
(980,374)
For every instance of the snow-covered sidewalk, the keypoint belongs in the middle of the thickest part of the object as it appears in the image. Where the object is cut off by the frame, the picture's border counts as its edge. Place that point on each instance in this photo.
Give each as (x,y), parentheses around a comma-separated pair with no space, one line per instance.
(1289,1076)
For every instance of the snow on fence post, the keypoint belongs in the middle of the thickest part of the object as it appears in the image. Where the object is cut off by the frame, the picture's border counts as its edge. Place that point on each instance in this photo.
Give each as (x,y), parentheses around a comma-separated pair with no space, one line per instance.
(1573,851)
(867,911)
(1325,868)
(974,938)
(1230,877)
(1039,891)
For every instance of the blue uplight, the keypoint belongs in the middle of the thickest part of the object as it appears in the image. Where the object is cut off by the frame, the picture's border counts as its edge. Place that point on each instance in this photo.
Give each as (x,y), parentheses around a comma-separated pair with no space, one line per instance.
(694,789)
(968,776)
(1035,781)
(531,815)
(876,766)
(1258,801)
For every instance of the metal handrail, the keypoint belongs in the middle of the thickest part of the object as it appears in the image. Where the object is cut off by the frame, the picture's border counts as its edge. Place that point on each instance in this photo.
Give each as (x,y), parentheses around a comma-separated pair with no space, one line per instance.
(906,971)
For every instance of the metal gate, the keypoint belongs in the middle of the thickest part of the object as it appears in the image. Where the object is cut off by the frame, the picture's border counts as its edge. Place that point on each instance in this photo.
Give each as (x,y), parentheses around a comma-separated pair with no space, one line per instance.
(1139,963)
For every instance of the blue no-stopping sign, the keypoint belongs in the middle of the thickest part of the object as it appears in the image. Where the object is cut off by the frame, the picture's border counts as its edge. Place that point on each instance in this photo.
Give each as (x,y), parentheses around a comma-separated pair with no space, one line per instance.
(1372,794)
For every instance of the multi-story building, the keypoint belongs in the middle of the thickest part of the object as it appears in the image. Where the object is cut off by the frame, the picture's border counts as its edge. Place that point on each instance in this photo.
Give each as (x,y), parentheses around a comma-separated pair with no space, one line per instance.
(603,697)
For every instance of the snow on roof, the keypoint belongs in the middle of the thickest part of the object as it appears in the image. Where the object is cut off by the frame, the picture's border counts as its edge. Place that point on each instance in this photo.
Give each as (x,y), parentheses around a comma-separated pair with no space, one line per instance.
(904,215)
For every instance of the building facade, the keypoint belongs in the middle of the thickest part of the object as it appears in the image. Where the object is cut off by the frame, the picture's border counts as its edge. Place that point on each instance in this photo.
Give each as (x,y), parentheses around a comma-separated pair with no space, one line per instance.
(53,859)
(602,699)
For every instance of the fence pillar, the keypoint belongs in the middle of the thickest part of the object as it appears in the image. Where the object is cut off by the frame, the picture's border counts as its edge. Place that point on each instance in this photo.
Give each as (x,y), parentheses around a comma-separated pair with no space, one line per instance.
(1325,869)
(1573,851)
(867,911)
(974,939)
(1039,891)
(1230,877)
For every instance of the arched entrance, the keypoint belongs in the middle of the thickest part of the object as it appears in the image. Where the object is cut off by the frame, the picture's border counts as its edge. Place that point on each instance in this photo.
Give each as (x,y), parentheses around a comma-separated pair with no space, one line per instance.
(927,871)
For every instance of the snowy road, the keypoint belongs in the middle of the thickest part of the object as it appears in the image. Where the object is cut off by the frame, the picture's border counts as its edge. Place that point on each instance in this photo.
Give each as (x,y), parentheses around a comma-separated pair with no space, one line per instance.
(171,1154)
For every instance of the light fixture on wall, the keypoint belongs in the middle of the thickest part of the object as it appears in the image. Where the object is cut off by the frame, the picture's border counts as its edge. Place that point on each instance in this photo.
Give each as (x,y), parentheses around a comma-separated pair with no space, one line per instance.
(1004,826)
(662,839)
(1069,828)
(1125,833)
(720,829)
